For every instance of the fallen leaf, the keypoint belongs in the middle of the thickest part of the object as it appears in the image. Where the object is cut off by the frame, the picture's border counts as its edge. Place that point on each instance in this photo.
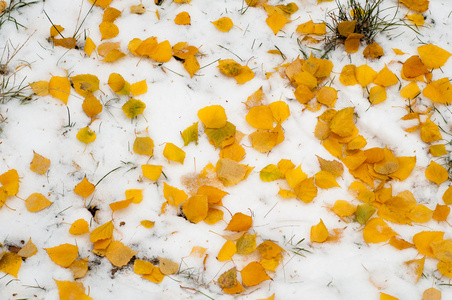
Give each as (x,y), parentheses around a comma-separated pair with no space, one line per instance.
(63,255)
(227,251)
(168,267)
(223,24)
(143,146)
(69,290)
(39,164)
(10,263)
(36,202)
(133,108)
(79,227)
(119,254)
(239,222)
(253,274)
(436,173)
(213,116)
(84,188)
(28,250)
(151,172)
(195,208)
(102,232)
(423,240)
(86,135)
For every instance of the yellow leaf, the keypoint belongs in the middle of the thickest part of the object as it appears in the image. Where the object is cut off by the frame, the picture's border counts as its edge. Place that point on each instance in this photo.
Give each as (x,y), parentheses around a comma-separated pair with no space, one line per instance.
(280,111)
(253,274)
(406,165)
(219,136)
(167,267)
(162,53)
(364,212)
(156,276)
(10,263)
(260,117)
(60,87)
(198,251)
(213,116)
(286,193)
(120,204)
(143,146)
(182,18)
(28,250)
(102,232)
(306,79)
(119,254)
(445,268)
(345,28)
(439,91)
(303,94)
(276,21)
(417,5)
(147,224)
(269,249)
(420,214)
(10,184)
(191,64)
(230,172)
(113,55)
(239,222)
(89,46)
(447,196)
(410,91)
(365,75)
(56,30)
(342,123)
(424,239)
(388,165)
(91,106)
(245,75)
(39,164)
(295,176)
(229,67)
(135,194)
(348,75)
(79,227)
(195,208)
(398,51)
(102,3)
(227,251)
(213,194)
(377,231)
(327,96)
(384,296)
(373,51)
(325,180)
(223,24)
(86,135)
(138,88)
(397,208)
(430,132)
(85,84)
(431,294)
(174,153)
(40,88)
(441,212)
(36,202)
(306,191)
(352,42)
(246,244)
(385,77)
(235,151)
(263,140)
(319,233)
(437,150)
(63,255)
(142,267)
(270,173)
(190,134)
(433,56)
(69,290)
(110,14)
(116,82)
(399,244)
(436,173)
(79,268)
(358,142)
(344,209)
(173,195)
(84,188)
(377,95)
(133,108)
(152,172)
(214,216)
(442,250)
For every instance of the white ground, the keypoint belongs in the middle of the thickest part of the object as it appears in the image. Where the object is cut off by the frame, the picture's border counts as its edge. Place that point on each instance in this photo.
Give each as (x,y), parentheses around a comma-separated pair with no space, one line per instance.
(349,269)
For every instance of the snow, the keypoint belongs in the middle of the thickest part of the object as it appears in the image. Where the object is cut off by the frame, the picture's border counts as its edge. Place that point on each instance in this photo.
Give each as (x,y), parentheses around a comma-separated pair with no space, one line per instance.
(347,269)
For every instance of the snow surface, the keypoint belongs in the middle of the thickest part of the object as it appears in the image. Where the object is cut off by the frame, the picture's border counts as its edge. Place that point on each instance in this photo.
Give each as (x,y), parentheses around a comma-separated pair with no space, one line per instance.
(348,269)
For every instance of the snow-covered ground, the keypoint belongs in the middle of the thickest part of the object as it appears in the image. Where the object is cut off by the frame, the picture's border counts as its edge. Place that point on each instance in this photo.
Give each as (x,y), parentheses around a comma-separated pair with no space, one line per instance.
(348,268)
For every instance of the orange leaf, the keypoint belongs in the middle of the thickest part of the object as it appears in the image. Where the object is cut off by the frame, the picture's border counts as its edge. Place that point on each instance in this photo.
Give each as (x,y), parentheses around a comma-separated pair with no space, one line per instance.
(195,208)
(227,251)
(84,188)
(276,21)
(173,195)
(60,87)
(182,18)
(385,77)
(253,274)
(239,222)
(120,204)
(377,231)
(424,239)
(319,232)
(91,106)
(223,24)
(433,56)
(213,194)
(63,255)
